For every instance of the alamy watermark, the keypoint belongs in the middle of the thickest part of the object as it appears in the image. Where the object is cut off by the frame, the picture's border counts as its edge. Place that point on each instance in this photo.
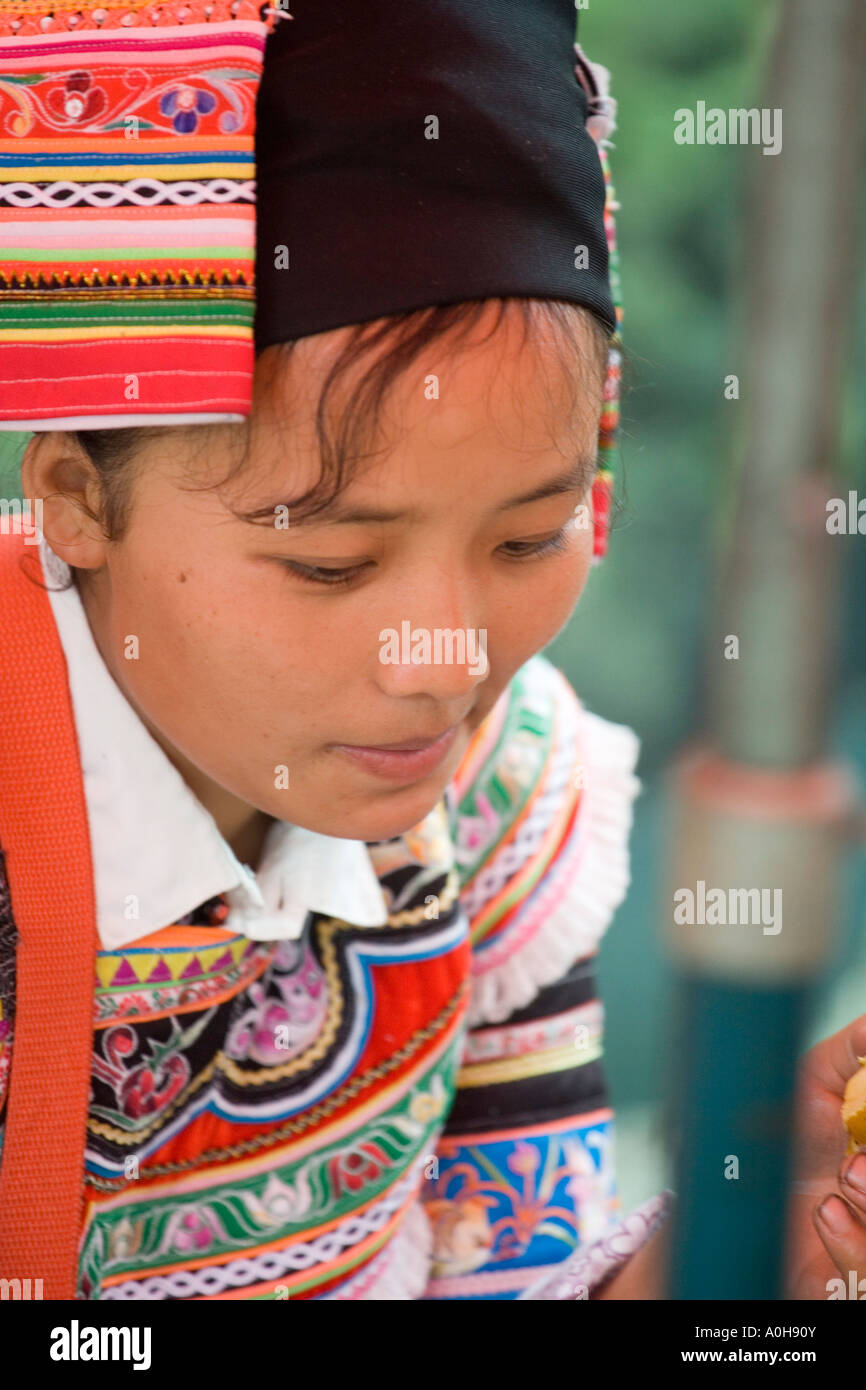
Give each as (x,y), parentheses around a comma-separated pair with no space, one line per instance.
(438,646)
(855,1289)
(738,126)
(846,516)
(19,516)
(23,1289)
(732,907)
(77,1343)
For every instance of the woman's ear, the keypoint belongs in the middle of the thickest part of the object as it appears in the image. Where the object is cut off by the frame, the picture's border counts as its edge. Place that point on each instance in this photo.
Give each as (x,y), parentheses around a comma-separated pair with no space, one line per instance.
(56,471)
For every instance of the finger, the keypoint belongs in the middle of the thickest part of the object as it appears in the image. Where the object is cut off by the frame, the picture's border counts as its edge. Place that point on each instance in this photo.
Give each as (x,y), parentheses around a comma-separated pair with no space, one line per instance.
(833,1061)
(843,1236)
(823,1074)
(852,1181)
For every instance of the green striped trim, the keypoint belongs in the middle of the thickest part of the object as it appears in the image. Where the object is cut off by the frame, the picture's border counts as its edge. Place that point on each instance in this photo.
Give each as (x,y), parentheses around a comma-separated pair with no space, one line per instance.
(160,303)
(129,253)
(131,313)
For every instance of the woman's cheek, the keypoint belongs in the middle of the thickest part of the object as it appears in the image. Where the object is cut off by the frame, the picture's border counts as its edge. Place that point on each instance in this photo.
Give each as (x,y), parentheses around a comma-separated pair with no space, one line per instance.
(173,634)
(544,605)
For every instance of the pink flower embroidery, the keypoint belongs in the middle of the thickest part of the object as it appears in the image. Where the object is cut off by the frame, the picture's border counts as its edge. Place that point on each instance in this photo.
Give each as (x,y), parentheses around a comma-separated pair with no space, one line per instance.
(525,1159)
(194,1233)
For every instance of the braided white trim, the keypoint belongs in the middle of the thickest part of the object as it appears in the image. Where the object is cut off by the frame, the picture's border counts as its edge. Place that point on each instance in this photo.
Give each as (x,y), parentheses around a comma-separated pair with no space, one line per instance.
(144,192)
(492,877)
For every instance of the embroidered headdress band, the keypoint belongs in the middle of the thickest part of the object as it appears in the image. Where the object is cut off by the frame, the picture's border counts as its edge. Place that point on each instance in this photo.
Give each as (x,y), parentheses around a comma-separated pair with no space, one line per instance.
(127,208)
(406,155)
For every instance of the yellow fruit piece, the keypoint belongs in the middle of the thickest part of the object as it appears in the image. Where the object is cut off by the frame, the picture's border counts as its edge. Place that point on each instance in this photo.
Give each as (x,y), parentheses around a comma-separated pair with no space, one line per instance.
(854,1105)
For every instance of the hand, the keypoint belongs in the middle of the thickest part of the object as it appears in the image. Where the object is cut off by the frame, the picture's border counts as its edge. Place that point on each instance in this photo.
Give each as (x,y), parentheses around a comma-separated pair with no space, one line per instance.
(822,1189)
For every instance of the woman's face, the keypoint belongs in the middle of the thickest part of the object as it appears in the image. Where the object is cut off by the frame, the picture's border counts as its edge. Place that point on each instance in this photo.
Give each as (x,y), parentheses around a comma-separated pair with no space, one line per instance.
(274,656)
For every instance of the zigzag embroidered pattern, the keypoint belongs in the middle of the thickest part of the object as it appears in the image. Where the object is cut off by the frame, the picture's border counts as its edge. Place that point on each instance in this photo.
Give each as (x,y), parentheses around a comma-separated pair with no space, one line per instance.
(25,285)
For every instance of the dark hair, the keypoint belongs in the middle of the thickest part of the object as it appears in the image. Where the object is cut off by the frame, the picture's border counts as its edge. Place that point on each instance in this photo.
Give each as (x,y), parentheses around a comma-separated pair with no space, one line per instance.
(112,451)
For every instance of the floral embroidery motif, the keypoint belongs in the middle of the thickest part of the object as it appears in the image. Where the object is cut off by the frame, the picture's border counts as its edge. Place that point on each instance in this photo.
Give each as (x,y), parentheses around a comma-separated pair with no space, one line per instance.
(427,1106)
(591,1186)
(193,1234)
(280,1204)
(144,95)
(148,1088)
(520,1202)
(351,1170)
(78,102)
(185,104)
(503,784)
(464,1238)
(286,1014)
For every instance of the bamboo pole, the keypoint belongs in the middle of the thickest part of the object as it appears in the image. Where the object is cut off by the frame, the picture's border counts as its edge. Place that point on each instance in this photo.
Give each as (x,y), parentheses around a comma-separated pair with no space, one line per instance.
(756,805)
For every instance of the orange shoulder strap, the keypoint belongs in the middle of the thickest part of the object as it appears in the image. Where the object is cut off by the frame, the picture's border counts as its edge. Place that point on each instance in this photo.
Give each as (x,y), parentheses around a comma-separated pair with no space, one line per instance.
(44,834)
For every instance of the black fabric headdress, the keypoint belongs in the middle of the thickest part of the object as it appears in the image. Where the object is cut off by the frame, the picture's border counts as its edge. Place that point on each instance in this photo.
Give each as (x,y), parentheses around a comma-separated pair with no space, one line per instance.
(411,154)
(372,159)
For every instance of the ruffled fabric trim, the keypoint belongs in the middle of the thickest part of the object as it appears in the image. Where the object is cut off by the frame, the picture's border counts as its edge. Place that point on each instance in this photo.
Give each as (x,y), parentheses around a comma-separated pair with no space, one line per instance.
(401,1272)
(585,888)
(583,1273)
(594,78)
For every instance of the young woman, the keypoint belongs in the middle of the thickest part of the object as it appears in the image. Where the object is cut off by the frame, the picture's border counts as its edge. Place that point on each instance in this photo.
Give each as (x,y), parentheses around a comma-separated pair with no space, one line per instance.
(308,851)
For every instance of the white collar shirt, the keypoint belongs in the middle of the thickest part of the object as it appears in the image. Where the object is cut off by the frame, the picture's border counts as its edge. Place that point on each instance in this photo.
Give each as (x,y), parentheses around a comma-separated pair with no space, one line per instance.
(157,852)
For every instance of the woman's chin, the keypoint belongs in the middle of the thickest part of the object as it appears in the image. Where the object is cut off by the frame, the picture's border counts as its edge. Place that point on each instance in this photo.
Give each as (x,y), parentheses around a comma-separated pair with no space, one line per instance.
(383,818)
(387,824)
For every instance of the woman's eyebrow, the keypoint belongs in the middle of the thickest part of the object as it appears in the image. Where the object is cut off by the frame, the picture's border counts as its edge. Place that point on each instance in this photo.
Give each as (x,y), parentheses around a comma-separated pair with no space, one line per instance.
(579,475)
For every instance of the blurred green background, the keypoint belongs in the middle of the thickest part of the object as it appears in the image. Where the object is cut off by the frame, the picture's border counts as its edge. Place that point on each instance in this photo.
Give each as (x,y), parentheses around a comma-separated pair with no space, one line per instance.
(635,648)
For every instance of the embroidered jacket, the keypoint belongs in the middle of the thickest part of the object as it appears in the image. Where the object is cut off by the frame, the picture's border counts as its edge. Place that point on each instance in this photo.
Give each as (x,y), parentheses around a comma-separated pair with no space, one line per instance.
(417,1110)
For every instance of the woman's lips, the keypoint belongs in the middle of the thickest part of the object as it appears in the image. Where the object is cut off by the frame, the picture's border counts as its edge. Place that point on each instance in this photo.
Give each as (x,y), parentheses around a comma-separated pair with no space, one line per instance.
(406,762)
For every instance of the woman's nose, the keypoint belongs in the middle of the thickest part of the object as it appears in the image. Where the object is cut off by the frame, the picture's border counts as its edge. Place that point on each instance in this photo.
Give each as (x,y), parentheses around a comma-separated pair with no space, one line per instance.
(434,642)
(445,662)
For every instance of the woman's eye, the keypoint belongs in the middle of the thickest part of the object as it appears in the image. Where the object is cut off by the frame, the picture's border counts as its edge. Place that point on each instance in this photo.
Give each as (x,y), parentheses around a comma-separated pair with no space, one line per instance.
(322,574)
(555,544)
(332,577)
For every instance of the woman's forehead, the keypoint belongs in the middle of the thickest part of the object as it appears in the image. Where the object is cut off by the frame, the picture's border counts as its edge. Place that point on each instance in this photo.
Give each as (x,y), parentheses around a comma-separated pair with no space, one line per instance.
(494,371)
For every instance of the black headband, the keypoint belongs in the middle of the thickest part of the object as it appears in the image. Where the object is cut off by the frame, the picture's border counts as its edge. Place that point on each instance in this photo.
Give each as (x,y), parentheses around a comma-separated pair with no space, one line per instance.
(362,214)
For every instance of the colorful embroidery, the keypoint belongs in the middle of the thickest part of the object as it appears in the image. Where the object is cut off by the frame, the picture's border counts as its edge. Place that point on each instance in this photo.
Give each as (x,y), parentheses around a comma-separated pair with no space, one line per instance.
(511,1201)
(150,981)
(540,876)
(277,1204)
(578,1029)
(537,1048)
(127,191)
(306,1118)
